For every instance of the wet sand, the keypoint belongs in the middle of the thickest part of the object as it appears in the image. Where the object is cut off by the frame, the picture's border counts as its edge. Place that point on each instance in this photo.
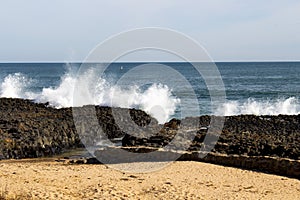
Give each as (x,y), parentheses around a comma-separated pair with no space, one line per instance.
(48,179)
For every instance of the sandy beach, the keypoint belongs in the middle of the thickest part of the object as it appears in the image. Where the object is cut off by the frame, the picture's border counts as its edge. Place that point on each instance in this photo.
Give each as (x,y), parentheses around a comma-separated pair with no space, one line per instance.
(48,179)
(146,100)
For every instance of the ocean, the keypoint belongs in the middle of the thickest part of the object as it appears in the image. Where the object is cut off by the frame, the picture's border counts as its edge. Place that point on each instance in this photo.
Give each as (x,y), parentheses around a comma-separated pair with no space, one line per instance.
(260,88)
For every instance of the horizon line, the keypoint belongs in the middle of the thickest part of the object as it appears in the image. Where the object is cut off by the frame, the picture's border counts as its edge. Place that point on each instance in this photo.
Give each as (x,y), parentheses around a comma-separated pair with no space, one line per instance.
(217,61)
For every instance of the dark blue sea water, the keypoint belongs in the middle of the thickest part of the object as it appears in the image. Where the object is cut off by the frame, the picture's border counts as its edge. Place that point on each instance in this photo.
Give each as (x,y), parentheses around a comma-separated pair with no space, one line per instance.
(251,87)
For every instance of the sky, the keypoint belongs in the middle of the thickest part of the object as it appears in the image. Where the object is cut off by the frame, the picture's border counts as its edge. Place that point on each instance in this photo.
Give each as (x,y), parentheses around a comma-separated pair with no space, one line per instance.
(67,30)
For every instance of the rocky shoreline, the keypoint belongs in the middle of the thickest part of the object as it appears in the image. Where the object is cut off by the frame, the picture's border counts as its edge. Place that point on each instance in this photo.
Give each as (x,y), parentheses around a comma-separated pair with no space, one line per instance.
(28,130)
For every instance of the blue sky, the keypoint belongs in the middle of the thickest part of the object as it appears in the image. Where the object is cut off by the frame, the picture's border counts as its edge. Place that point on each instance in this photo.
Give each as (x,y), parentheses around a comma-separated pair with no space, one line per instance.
(67,30)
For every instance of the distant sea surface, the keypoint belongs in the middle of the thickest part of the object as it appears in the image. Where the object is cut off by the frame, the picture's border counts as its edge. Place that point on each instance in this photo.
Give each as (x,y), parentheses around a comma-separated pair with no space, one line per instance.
(260,88)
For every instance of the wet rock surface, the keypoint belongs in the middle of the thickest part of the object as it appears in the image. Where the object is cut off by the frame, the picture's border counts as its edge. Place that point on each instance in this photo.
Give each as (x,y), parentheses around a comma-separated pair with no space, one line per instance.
(30,130)
(34,130)
(249,135)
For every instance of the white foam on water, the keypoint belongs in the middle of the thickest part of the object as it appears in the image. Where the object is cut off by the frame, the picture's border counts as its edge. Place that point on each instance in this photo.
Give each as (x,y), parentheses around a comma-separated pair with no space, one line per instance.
(61,96)
(156,100)
(14,86)
(287,106)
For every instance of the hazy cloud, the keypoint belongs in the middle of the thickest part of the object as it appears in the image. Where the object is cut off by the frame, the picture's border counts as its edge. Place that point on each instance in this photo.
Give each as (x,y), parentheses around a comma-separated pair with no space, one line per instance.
(67,30)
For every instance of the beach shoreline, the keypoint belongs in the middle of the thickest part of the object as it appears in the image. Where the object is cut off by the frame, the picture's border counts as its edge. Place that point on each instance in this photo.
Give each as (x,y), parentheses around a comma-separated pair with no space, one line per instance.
(45,178)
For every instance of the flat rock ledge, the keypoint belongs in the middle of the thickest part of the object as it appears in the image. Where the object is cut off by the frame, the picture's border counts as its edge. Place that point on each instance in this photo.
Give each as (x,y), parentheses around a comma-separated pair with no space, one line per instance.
(273,165)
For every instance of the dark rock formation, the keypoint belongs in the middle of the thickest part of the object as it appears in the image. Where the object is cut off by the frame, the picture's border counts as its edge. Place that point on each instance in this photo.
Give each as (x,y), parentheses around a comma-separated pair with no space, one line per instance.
(28,129)
(276,136)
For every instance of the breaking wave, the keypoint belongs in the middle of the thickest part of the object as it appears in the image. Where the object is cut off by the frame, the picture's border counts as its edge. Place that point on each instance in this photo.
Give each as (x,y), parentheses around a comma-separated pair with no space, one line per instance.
(287,106)
(15,86)
(156,100)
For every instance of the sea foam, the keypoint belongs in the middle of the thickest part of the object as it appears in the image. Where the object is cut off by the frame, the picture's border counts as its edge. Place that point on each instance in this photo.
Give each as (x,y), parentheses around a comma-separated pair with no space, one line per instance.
(15,85)
(157,99)
(286,106)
